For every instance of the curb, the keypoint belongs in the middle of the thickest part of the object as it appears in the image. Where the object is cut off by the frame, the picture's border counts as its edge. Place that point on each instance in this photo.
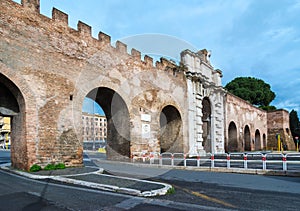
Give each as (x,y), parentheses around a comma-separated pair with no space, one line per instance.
(118,189)
(111,188)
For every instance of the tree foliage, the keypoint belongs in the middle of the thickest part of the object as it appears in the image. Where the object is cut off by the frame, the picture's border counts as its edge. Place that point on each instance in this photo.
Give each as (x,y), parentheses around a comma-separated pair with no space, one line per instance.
(268,108)
(253,90)
(294,123)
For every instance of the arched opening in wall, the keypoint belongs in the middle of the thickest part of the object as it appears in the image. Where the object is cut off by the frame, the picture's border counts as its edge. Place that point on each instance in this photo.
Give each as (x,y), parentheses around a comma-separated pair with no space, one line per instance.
(206,127)
(12,123)
(247,139)
(232,138)
(115,124)
(287,130)
(171,139)
(257,140)
(264,142)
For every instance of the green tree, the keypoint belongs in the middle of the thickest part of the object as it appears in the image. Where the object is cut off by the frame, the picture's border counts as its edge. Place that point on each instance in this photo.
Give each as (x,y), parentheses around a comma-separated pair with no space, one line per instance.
(253,90)
(294,123)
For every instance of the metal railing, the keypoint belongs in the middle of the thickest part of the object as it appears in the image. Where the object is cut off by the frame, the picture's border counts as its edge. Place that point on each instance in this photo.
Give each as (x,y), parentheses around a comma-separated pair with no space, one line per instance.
(240,160)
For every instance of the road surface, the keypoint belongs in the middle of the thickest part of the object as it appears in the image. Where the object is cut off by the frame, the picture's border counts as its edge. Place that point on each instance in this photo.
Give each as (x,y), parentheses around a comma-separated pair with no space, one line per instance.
(194,190)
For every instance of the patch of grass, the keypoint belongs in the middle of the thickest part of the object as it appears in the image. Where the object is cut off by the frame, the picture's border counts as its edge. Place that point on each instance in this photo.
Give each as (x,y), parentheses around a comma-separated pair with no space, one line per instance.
(171,191)
(49,167)
(35,168)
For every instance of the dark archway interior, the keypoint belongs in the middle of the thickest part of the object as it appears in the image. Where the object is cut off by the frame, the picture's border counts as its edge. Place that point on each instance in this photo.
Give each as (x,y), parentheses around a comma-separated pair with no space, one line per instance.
(8,103)
(118,124)
(247,138)
(206,127)
(232,138)
(257,140)
(12,105)
(170,127)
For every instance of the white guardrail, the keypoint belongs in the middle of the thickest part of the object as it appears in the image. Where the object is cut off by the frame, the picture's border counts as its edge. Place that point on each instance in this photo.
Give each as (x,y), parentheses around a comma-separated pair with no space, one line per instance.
(250,160)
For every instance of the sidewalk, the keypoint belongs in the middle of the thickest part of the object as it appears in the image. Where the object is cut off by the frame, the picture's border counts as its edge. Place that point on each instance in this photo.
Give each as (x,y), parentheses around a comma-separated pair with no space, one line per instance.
(94,177)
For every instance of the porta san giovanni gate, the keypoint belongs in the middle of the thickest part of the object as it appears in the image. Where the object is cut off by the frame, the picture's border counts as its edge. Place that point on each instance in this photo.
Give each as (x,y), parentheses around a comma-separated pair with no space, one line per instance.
(47,69)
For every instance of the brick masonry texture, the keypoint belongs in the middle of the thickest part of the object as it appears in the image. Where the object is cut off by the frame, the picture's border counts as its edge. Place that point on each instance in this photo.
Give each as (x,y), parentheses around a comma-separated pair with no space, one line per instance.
(50,63)
(50,68)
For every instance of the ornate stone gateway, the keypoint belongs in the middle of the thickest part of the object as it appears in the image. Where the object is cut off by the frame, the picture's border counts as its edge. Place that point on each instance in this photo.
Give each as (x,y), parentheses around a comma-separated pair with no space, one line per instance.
(206,103)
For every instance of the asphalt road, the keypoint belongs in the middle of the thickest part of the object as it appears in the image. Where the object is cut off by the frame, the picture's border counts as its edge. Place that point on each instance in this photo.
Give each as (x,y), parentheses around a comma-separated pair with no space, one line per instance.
(194,190)
(219,190)
(20,193)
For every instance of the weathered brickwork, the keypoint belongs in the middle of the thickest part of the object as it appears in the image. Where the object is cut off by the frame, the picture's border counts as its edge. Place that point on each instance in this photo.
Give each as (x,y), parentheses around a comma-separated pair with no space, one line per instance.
(54,67)
(49,68)
(278,123)
(256,129)
(241,115)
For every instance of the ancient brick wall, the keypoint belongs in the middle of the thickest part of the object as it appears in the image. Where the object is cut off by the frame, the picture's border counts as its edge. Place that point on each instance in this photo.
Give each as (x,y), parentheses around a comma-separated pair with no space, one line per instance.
(54,67)
(278,123)
(243,114)
(49,69)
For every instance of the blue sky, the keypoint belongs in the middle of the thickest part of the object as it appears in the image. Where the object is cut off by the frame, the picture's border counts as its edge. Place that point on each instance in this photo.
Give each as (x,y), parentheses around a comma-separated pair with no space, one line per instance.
(258,38)
(90,106)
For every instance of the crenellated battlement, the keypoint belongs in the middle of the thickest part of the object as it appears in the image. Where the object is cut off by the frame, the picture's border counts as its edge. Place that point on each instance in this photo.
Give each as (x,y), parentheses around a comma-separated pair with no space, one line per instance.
(59,16)
(104,38)
(84,31)
(121,47)
(33,5)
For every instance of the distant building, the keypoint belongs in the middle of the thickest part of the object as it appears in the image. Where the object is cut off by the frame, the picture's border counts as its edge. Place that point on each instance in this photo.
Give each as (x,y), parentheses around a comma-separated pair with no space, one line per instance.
(5,129)
(94,127)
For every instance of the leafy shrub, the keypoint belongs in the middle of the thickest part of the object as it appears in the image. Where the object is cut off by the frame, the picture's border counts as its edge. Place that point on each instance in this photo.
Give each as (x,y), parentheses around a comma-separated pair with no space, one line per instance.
(50,167)
(60,166)
(171,191)
(35,168)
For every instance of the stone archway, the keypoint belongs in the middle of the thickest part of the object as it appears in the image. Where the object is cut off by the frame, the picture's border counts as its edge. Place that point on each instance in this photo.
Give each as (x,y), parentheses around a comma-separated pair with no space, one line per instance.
(247,139)
(257,140)
(118,123)
(12,104)
(171,139)
(232,138)
(206,127)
